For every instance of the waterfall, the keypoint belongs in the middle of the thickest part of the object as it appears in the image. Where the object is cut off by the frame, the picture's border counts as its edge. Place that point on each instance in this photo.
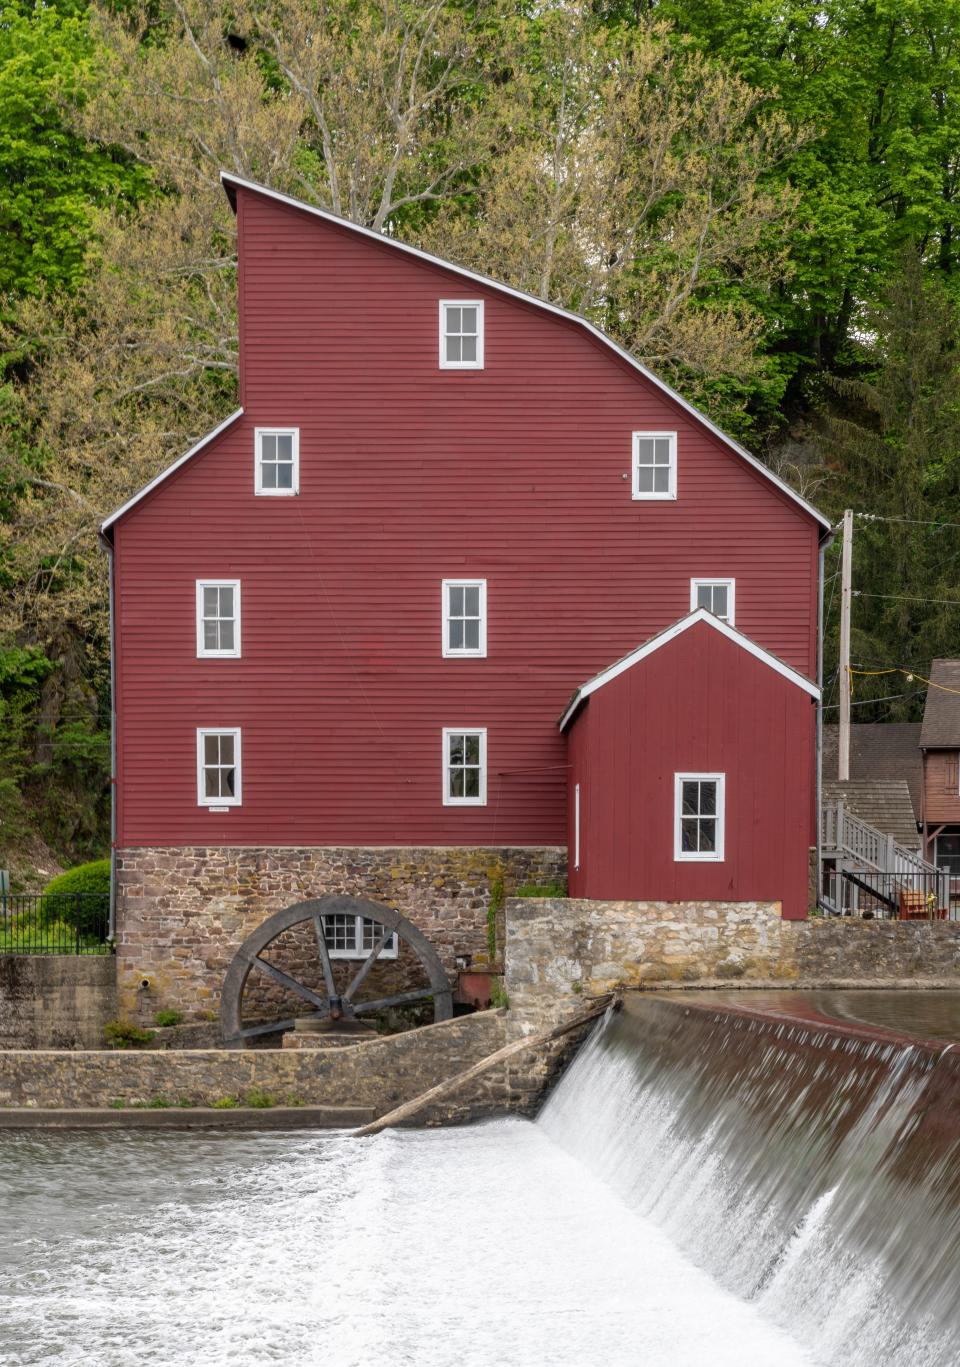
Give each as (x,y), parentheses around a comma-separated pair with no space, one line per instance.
(812,1172)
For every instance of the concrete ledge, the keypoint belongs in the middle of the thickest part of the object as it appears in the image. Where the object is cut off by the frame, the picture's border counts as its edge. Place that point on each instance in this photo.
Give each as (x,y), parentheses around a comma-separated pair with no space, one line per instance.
(187,1118)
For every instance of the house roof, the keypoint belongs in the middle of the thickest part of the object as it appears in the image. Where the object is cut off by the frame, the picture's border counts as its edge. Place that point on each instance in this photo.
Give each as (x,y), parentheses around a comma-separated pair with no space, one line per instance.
(232,183)
(884,803)
(700,615)
(941,712)
(880,751)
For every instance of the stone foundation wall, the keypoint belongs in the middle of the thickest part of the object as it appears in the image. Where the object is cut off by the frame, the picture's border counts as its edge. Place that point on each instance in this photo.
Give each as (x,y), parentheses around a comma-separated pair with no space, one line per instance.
(56,1001)
(560,949)
(182,913)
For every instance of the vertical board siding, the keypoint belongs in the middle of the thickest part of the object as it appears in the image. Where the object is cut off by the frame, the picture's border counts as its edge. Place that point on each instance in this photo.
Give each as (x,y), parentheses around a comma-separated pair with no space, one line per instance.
(518,474)
(700,704)
(941,786)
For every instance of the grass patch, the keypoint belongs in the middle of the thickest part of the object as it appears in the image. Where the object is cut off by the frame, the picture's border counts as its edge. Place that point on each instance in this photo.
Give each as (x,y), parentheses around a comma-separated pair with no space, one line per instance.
(226,1103)
(31,934)
(125,1035)
(556,889)
(167,1016)
(259,1099)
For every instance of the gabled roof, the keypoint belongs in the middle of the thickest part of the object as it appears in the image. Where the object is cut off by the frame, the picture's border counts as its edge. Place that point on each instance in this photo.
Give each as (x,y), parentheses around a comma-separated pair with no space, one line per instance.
(231,183)
(941,711)
(883,803)
(879,751)
(165,474)
(664,638)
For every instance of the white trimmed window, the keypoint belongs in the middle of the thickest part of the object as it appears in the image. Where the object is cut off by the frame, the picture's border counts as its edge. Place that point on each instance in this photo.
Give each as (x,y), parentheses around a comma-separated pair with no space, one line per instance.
(461,334)
(698,817)
(218,618)
(353,937)
(465,617)
(464,766)
(654,465)
(218,767)
(716,595)
(277,460)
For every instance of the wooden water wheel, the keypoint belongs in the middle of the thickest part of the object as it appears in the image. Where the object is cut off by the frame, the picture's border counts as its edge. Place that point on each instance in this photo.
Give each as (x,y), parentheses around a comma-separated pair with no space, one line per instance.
(337,1004)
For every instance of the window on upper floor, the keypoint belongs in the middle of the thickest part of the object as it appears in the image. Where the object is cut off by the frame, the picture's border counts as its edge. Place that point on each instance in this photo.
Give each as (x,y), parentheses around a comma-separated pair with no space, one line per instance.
(277,460)
(698,817)
(218,618)
(353,937)
(716,595)
(218,767)
(654,465)
(464,766)
(461,334)
(465,617)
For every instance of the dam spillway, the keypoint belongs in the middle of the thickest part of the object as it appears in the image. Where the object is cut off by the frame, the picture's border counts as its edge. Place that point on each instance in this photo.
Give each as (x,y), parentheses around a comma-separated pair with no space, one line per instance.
(809,1164)
(708,1186)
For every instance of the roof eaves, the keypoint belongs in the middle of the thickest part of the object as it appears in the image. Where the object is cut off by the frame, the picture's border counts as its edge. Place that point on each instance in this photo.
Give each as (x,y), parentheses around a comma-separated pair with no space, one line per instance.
(231,182)
(662,638)
(165,474)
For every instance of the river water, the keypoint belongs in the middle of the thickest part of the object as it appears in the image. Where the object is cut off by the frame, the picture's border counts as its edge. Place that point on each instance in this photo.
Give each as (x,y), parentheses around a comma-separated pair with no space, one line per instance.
(487,1246)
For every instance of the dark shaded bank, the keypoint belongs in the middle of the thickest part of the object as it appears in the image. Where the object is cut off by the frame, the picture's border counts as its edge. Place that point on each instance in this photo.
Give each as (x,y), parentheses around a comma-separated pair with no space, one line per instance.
(813,1166)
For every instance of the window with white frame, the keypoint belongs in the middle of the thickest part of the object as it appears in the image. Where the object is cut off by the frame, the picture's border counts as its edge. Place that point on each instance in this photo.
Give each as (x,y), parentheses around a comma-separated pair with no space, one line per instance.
(465,617)
(654,465)
(461,334)
(218,617)
(464,766)
(699,817)
(277,460)
(353,937)
(218,767)
(716,595)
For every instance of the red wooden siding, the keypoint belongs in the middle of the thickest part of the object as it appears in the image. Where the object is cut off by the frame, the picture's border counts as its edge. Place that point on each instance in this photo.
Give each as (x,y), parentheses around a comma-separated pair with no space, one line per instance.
(700,704)
(941,786)
(409,474)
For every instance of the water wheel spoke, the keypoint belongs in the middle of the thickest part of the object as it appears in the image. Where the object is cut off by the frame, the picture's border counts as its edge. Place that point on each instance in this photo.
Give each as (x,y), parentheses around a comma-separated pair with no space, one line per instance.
(278,974)
(401,998)
(368,963)
(324,956)
(267,1028)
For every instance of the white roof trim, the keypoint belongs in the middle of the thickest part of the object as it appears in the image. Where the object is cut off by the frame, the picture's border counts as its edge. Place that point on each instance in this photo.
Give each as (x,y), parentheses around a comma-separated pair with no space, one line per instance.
(165,474)
(671,633)
(227,178)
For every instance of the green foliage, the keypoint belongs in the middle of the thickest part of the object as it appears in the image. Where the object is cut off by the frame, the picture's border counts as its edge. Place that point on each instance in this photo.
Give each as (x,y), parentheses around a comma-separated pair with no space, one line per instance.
(122,1034)
(498,993)
(167,1017)
(541,890)
(493,907)
(117,1104)
(259,1099)
(226,1103)
(52,181)
(39,933)
(91,911)
(22,672)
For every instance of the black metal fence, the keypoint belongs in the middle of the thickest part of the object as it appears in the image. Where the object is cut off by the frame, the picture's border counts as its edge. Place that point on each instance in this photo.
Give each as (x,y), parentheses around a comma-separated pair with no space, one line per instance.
(890,896)
(55,923)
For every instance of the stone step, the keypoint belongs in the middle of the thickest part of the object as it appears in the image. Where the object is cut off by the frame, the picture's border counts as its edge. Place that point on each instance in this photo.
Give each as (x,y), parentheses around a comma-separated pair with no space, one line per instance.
(187,1118)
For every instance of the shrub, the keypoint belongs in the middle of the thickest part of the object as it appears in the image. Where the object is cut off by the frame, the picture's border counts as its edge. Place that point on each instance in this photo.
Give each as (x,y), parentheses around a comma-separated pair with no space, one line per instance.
(226,1103)
(90,913)
(167,1017)
(259,1099)
(125,1035)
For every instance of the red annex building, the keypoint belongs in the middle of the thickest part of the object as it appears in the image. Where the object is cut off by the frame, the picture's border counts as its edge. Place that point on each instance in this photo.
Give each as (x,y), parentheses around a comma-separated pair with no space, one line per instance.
(352,616)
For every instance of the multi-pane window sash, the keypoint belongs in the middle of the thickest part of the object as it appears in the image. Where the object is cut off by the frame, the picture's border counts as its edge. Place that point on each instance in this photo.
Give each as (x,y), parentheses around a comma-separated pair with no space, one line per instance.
(716,595)
(218,768)
(278,460)
(654,465)
(461,334)
(464,769)
(218,617)
(464,617)
(699,832)
(353,937)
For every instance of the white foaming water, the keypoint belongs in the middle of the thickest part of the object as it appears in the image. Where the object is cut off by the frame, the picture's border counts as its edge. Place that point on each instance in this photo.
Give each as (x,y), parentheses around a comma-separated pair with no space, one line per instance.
(453,1248)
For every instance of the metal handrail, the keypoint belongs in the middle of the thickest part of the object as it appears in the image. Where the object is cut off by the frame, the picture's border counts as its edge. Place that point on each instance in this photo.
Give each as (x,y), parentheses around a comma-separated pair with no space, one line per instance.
(848,835)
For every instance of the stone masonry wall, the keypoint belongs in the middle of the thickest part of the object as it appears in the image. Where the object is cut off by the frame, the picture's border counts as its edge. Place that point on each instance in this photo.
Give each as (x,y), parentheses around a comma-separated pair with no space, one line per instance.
(182,913)
(557,950)
(56,1001)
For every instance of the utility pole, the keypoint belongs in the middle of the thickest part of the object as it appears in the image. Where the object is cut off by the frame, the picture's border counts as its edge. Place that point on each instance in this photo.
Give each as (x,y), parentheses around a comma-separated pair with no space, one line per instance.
(846,567)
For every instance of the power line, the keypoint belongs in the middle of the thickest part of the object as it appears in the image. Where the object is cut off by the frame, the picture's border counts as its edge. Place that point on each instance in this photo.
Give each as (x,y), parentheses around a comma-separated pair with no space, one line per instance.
(911,521)
(868,702)
(901,598)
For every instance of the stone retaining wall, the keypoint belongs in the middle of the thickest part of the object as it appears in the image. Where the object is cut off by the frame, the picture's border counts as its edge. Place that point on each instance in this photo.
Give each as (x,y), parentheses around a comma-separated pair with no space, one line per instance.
(381,1074)
(182,913)
(56,1001)
(559,949)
